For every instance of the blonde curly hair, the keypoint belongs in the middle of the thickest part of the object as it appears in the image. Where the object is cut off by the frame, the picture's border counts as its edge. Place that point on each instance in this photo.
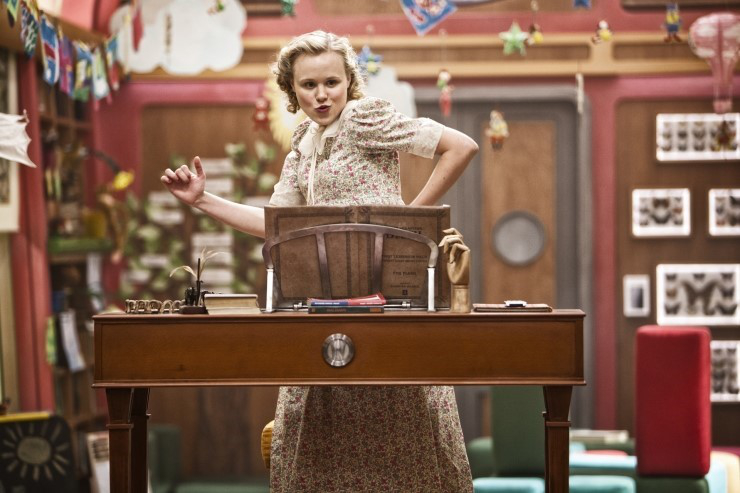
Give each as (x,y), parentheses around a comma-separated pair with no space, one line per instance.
(316,43)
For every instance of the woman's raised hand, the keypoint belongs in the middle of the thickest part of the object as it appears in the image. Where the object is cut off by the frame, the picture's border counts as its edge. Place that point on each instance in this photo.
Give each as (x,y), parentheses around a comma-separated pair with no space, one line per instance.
(184,184)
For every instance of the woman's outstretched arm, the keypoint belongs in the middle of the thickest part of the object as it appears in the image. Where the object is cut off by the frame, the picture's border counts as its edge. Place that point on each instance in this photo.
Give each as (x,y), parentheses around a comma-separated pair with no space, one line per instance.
(190,188)
(456,150)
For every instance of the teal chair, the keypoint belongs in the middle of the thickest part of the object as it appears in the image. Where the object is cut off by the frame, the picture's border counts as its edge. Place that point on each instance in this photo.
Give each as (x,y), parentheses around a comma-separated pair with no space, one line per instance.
(514,457)
(163,449)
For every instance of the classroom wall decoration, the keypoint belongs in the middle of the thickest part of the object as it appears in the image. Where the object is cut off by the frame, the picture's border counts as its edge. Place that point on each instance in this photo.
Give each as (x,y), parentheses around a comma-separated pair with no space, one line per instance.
(697,137)
(724,212)
(725,366)
(697,294)
(661,212)
(636,295)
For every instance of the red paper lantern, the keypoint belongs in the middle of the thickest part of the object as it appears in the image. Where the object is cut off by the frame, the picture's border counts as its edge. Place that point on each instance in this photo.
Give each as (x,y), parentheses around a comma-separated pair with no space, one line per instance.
(716,38)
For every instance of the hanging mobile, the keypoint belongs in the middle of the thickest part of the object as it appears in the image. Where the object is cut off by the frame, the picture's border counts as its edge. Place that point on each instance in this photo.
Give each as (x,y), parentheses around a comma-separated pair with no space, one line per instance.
(535,32)
(443,81)
(498,130)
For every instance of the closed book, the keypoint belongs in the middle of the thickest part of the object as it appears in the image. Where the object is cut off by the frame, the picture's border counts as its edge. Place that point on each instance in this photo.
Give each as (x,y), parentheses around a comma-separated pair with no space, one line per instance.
(376,299)
(501,308)
(230,303)
(346,309)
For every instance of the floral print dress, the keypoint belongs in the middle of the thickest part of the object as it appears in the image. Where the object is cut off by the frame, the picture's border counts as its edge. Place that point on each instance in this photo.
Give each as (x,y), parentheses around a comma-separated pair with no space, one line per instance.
(362,438)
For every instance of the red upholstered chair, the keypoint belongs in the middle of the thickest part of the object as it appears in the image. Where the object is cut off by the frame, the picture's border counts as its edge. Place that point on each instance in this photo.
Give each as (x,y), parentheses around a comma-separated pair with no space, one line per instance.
(672,403)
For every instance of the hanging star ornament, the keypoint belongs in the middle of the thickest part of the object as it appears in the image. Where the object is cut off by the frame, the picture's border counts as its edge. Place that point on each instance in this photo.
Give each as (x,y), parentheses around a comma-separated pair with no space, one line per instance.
(514,40)
(369,62)
(287,7)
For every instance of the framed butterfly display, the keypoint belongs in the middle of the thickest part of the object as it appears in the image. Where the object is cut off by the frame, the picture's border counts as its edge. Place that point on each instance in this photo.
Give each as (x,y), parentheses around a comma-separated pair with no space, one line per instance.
(724,212)
(697,294)
(661,212)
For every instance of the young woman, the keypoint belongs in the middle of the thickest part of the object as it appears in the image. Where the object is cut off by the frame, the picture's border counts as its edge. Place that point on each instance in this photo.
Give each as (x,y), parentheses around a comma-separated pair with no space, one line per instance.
(351,439)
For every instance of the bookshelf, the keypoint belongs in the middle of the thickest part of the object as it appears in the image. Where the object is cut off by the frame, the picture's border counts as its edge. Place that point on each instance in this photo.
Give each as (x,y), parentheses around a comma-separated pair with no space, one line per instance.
(76,244)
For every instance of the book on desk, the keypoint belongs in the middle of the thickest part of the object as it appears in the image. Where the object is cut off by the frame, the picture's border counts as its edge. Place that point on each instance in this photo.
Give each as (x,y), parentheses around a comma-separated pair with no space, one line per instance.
(230,303)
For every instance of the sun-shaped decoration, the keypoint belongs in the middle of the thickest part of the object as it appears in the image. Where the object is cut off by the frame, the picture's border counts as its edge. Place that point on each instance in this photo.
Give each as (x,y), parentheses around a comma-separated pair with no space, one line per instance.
(36,456)
(282,122)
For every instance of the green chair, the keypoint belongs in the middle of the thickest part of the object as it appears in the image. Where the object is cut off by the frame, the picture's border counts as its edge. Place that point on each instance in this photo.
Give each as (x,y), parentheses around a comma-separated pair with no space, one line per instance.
(165,468)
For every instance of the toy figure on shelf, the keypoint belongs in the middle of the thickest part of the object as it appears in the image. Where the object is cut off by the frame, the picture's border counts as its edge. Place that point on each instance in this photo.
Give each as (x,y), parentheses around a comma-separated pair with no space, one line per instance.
(445,96)
(672,23)
(458,269)
(603,33)
(497,130)
(535,35)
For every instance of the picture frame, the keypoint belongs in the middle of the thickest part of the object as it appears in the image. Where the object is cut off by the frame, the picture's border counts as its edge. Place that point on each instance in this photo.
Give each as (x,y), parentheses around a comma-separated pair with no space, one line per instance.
(660,212)
(636,295)
(724,212)
(725,369)
(697,137)
(697,294)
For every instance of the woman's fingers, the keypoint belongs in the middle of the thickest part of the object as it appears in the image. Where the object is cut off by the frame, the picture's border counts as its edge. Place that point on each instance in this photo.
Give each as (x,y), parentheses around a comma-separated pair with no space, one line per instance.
(198,167)
(183,174)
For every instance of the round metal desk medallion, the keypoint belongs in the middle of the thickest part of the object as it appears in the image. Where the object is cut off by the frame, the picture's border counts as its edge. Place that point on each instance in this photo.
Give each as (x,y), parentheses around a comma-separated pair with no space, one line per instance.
(338,350)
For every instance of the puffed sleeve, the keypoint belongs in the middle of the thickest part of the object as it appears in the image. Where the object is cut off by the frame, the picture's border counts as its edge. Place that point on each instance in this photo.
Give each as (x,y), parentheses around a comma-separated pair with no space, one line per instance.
(287,192)
(377,126)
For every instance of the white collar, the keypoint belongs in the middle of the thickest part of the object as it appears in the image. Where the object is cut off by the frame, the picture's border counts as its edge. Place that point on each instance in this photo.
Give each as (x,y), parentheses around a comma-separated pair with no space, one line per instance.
(316,135)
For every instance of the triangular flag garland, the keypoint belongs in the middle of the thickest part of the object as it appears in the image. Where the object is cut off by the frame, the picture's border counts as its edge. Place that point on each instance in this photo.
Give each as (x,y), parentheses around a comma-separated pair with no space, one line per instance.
(99,79)
(83,71)
(50,51)
(75,66)
(66,64)
(29,29)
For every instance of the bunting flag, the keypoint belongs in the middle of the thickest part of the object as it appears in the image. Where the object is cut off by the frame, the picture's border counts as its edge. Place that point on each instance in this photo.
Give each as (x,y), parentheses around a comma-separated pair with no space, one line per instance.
(425,14)
(111,58)
(66,62)
(83,71)
(99,78)
(12,6)
(50,43)
(29,29)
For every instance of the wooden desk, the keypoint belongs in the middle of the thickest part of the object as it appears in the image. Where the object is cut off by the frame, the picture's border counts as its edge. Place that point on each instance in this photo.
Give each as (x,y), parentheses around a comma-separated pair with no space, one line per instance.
(136,352)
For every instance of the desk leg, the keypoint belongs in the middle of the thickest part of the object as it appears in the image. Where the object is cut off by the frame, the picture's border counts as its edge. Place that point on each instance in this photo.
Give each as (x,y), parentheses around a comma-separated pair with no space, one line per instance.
(557,428)
(139,418)
(127,420)
(119,433)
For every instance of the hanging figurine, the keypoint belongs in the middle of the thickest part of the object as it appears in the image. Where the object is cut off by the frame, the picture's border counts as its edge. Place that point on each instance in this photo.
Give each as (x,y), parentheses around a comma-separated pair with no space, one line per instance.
(672,23)
(603,33)
(535,32)
(261,114)
(445,96)
(584,4)
(514,39)
(368,61)
(497,130)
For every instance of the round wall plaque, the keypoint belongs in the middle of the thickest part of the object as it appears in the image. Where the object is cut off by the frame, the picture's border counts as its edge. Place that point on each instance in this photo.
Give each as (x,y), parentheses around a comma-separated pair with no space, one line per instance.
(338,350)
(518,238)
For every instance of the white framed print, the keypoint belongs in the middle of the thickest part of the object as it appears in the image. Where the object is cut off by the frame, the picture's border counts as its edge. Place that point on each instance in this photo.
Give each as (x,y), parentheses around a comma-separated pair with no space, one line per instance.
(724,212)
(636,295)
(725,366)
(697,294)
(661,212)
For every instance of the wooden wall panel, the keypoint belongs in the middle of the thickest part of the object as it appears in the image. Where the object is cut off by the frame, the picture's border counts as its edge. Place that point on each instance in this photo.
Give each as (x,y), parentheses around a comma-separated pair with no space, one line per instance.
(637,168)
(220,427)
(520,176)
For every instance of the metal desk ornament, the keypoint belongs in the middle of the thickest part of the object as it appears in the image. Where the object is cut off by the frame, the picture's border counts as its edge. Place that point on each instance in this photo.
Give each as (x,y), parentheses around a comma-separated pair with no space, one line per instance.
(380,232)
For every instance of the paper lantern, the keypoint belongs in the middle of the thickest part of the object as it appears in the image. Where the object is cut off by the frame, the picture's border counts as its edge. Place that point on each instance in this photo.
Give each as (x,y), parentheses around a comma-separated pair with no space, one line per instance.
(716,38)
